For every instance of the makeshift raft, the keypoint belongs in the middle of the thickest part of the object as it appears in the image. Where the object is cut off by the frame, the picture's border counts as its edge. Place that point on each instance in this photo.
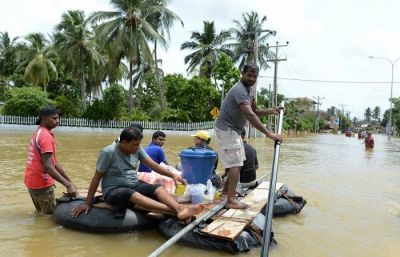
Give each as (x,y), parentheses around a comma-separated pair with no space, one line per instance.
(237,230)
(102,218)
(228,230)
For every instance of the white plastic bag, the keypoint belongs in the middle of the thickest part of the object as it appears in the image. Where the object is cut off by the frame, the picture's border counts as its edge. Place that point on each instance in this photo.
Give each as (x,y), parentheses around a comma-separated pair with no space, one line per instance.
(197,192)
(210,191)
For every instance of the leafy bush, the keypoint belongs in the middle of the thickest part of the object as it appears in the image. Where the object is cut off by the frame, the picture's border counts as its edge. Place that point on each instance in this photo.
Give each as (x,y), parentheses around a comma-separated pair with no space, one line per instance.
(138,115)
(5,92)
(196,96)
(175,115)
(96,111)
(114,102)
(26,101)
(68,108)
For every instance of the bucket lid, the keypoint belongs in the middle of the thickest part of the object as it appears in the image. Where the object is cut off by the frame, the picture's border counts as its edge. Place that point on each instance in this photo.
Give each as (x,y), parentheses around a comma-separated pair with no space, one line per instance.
(197,152)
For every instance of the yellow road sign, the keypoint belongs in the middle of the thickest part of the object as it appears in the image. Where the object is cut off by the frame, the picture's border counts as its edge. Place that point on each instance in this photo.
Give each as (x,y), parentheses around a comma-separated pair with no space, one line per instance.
(215,112)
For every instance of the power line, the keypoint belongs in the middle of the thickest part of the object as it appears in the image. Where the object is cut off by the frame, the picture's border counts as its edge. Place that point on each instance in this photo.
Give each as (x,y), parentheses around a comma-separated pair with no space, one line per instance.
(332,81)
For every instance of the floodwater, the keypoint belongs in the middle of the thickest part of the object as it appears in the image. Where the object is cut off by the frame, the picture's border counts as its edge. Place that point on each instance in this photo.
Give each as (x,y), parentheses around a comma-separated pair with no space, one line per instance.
(353,199)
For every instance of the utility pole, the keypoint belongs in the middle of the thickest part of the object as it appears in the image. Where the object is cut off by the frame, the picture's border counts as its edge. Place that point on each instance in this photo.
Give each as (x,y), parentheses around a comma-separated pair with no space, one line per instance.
(341,117)
(257,62)
(316,129)
(269,106)
(276,60)
(390,122)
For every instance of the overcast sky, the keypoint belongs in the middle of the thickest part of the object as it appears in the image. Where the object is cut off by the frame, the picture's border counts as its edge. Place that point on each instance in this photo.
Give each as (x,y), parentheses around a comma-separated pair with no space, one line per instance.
(328,41)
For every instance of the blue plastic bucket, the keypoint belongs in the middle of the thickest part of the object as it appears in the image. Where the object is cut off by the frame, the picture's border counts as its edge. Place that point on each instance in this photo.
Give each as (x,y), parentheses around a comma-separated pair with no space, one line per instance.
(197,165)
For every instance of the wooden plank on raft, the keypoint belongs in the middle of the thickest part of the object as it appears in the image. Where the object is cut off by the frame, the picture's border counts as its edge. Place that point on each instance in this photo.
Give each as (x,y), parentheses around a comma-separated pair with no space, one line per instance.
(265,185)
(232,222)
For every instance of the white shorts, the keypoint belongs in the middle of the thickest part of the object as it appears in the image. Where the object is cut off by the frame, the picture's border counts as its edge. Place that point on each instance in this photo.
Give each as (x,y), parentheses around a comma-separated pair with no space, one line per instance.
(231,148)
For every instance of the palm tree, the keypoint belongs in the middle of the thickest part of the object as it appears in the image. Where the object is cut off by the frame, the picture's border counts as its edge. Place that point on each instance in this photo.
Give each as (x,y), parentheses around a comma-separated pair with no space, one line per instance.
(113,69)
(126,30)
(245,35)
(161,21)
(8,52)
(37,59)
(368,115)
(376,113)
(207,47)
(76,45)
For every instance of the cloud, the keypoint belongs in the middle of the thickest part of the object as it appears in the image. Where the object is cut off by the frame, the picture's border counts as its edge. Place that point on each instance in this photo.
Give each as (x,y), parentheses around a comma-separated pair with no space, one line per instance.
(21,17)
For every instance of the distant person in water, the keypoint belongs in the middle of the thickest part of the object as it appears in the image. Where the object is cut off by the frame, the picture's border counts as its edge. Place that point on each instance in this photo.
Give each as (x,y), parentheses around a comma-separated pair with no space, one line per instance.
(43,168)
(369,141)
(155,151)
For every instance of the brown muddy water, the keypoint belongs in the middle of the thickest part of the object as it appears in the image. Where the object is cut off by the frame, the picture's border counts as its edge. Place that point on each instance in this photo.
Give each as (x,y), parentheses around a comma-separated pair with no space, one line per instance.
(353,199)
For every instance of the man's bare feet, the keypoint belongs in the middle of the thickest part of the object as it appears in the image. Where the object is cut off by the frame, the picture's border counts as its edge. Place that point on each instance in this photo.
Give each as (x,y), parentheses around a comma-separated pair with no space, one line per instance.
(186,211)
(235,205)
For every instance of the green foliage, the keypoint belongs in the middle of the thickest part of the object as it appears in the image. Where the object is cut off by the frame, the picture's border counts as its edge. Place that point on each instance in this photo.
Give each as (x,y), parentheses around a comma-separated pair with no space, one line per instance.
(197,96)
(8,55)
(37,60)
(396,113)
(226,72)
(26,101)
(68,108)
(244,40)
(114,102)
(331,111)
(68,87)
(137,114)
(5,92)
(112,107)
(96,111)
(298,119)
(292,116)
(307,122)
(368,114)
(206,47)
(174,115)
(147,96)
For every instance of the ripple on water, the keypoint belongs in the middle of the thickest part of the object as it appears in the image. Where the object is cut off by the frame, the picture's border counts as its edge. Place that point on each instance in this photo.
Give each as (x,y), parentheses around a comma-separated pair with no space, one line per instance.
(352,195)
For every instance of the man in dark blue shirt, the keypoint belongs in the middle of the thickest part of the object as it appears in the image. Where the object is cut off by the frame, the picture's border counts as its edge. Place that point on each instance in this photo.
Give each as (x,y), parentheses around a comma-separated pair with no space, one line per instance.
(155,151)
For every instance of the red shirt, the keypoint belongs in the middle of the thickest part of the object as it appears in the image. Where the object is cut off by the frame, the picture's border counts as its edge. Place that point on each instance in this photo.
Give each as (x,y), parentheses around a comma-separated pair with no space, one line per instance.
(369,142)
(35,176)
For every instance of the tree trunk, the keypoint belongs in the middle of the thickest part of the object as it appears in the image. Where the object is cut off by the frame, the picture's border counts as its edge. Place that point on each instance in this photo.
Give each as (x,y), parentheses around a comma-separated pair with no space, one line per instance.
(83,90)
(83,82)
(130,100)
(159,84)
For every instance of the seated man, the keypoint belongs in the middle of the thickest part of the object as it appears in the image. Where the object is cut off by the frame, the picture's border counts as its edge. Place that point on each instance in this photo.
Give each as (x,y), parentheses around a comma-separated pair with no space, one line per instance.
(202,139)
(116,168)
(155,151)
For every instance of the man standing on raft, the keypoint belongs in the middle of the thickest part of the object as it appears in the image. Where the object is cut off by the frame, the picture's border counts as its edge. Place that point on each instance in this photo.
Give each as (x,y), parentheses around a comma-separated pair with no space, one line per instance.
(239,106)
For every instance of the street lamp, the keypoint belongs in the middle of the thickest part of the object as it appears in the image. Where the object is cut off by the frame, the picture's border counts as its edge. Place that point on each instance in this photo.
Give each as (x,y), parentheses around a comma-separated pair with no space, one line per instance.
(391,89)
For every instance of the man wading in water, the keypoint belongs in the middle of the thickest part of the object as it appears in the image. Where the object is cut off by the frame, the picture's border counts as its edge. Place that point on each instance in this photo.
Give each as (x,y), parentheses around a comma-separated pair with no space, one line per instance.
(238,107)
(42,168)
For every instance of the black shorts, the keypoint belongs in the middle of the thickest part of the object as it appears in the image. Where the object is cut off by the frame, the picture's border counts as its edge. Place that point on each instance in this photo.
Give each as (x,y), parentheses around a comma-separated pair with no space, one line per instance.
(121,195)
